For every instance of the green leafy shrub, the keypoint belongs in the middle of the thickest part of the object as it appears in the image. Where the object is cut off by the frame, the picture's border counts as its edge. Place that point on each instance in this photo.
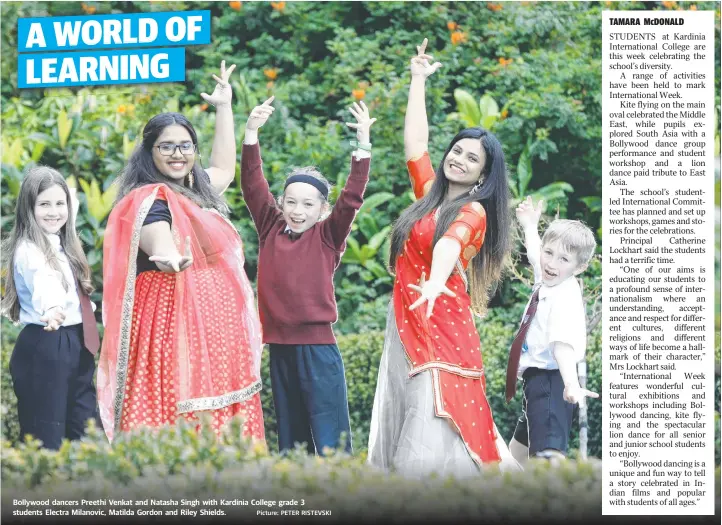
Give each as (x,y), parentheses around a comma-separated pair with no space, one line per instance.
(178,462)
(8,407)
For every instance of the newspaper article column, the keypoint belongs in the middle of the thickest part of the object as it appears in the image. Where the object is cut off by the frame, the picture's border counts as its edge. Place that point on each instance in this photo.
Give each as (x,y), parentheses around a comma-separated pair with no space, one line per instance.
(658,262)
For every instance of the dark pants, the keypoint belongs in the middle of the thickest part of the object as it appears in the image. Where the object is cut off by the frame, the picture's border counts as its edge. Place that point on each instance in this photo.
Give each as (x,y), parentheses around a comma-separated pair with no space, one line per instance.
(309,394)
(52,375)
(546,418)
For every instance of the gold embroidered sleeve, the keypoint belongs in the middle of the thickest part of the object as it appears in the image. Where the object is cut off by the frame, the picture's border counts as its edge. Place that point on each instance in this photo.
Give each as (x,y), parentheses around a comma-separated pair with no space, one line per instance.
(468,229)
(422,174)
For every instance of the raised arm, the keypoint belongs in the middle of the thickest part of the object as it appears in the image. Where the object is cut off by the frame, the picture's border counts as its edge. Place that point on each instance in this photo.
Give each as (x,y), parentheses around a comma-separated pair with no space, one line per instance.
(416,127)
(528,217)
(223,153)
(338,226)
(258,117)
(256,192)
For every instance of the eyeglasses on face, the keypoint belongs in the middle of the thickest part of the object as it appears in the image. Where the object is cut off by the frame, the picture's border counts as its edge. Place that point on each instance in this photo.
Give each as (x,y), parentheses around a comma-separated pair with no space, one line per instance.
(168,148)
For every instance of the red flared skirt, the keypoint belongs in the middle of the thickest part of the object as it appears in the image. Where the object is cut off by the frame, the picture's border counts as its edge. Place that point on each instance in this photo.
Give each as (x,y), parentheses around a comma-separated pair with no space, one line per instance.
(151,389)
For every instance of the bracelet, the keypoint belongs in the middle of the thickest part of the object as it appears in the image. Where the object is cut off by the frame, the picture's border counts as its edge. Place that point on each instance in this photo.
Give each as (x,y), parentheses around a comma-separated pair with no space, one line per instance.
(360,145)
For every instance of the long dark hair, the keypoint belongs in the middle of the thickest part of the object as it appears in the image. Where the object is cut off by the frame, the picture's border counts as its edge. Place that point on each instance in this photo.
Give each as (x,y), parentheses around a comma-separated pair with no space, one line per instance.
(26,228)
(141,168)
(485,269)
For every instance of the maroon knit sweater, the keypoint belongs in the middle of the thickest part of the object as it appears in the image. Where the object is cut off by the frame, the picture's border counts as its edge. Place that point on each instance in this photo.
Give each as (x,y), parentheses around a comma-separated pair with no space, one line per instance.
(296,299)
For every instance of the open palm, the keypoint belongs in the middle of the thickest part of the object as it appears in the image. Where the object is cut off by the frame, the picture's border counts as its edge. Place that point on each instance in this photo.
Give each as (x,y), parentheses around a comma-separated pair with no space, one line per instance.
(363,121)
(174,262)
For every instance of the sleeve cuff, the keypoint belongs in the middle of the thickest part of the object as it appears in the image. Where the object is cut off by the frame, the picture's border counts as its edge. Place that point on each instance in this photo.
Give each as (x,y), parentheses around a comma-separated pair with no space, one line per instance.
(359,154)
(360,167)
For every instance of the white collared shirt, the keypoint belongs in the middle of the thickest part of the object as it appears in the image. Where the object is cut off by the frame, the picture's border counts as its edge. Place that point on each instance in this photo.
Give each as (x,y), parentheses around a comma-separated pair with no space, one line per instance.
(560,317)
(40,287)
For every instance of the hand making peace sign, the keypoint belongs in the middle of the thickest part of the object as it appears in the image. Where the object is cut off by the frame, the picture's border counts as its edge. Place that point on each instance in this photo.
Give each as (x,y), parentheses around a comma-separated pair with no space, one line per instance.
(223,93)
(420,65)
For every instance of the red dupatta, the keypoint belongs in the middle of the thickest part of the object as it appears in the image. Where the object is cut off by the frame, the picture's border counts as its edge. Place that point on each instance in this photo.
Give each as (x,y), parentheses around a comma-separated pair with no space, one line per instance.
(217,252)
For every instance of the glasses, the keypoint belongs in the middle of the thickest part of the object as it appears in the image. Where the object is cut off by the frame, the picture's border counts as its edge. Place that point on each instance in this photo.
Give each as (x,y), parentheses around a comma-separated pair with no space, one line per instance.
(168,148)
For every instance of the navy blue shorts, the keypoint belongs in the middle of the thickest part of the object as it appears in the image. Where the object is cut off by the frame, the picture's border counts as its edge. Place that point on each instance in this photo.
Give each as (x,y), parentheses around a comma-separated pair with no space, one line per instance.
(546,418)
(309,396)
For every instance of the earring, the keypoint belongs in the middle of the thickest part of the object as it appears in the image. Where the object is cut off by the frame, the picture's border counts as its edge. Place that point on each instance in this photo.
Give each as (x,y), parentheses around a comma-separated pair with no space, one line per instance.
(190,179)
(476,187)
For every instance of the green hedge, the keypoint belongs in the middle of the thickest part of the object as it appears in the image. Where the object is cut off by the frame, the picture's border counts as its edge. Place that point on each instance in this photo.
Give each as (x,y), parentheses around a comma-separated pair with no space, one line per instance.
(8,407)
(178,462)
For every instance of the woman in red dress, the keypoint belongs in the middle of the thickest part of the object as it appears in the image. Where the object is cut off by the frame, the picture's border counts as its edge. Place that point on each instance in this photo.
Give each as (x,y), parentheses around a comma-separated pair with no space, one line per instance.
(430,411)
(182,335)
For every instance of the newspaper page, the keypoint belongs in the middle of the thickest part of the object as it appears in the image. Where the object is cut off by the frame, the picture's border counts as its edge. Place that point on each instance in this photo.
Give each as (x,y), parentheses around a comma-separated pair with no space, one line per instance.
(658,150)
(603,110)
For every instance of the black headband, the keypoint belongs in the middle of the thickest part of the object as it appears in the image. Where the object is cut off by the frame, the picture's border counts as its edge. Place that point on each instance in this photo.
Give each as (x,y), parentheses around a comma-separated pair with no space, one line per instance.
(308,179)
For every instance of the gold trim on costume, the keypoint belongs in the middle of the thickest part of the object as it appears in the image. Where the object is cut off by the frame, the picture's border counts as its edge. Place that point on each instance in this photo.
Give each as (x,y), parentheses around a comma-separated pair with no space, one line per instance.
(440,412)
(213,403)
(121,373)
(436,387)
(462,272)
(463,372)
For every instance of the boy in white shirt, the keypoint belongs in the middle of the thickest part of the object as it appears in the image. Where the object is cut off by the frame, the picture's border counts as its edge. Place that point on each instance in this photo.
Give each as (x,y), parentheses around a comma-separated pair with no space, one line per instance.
(555,339)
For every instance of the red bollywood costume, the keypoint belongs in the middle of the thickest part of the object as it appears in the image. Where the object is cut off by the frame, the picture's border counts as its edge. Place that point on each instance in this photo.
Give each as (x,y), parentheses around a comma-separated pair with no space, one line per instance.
(177,344)
(406,433)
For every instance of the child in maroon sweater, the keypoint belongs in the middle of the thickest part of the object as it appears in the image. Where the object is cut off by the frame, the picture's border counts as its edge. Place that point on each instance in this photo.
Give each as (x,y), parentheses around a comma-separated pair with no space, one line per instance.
(298,255)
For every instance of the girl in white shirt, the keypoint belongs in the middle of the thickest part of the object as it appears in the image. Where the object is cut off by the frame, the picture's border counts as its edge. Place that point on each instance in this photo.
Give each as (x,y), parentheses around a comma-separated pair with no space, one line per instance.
(47,288)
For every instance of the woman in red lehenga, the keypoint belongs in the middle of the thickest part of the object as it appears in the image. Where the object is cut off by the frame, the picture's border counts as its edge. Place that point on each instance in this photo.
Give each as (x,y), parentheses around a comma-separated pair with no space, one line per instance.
(182,334)
(430,410)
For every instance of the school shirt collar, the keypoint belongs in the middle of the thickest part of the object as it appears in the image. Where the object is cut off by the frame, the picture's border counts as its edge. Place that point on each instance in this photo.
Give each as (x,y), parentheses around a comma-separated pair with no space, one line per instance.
(293,236)
(548,291)
(54,240)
